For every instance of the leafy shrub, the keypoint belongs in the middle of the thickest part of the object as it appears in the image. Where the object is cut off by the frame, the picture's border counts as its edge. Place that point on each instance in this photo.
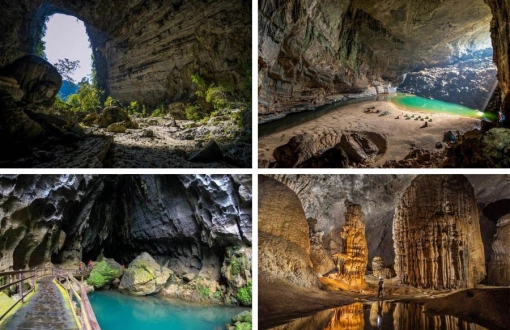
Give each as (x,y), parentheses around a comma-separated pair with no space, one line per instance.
(203,290)
(159,111)
(109,100)
(194,112)
(244,294)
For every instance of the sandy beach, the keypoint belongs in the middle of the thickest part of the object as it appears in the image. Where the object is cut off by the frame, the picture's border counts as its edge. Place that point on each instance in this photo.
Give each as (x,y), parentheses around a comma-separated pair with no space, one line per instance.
(401,134)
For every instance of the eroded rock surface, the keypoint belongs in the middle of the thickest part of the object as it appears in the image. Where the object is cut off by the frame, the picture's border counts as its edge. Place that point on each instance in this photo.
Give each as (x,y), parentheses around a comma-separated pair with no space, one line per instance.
(499,266)
(436,234)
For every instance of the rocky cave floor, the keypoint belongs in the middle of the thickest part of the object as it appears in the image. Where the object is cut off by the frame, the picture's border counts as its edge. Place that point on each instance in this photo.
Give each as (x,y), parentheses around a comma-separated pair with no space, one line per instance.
(158,142)
(386,140)
(282,303)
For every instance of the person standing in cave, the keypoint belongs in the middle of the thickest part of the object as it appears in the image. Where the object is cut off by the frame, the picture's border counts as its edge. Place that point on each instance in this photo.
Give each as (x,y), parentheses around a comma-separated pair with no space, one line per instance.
(380,292)
(89,265)
(80,266)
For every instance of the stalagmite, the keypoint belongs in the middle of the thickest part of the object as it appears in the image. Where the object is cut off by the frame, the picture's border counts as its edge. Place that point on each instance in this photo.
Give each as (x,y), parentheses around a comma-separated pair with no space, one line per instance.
(380,269)
(352,262)
(436,234)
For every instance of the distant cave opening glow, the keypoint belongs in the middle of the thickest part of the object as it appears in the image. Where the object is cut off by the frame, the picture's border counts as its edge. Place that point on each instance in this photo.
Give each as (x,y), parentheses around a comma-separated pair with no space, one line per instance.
(66,38)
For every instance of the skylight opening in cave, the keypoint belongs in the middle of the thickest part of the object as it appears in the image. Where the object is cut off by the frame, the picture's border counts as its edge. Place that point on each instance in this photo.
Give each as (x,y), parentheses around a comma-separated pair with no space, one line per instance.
(66,38)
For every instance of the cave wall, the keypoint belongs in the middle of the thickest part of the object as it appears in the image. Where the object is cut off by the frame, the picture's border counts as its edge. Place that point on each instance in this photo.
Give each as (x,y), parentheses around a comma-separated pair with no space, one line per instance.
(187,222)
(145,50)
(437,234)
(500,30)
(499,266)
(309,49)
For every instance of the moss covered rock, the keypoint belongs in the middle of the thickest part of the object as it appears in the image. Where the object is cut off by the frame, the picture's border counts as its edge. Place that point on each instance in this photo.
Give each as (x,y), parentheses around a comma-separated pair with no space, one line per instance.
(144,276)
(104,273)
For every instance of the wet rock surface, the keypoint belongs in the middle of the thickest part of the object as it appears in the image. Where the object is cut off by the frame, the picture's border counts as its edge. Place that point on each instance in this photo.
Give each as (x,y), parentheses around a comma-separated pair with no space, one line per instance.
(144,276)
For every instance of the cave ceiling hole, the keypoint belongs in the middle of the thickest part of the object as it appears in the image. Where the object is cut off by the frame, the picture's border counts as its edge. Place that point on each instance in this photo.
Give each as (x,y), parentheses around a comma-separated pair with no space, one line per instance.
(65,37)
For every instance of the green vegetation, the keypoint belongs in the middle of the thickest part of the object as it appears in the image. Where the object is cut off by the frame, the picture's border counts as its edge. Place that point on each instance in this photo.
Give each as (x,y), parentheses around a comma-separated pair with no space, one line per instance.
(217,295)
(237,265)
(102,274)
(203,290)
(66,68)
(244,294)
(40,45)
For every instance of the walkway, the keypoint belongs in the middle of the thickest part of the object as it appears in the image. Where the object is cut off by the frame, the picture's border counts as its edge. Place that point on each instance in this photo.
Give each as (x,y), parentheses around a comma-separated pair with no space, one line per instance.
(46,310)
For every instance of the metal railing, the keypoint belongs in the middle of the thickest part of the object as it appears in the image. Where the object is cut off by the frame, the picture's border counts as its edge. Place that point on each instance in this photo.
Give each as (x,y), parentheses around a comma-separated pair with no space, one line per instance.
(17,278)
(85,315)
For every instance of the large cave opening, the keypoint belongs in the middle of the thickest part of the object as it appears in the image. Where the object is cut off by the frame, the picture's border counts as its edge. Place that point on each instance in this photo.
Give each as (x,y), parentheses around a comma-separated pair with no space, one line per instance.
(65,43)
(420,69)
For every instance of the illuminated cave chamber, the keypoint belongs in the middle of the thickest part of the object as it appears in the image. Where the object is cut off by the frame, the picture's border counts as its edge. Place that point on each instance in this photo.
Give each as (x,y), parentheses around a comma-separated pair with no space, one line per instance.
(436,234)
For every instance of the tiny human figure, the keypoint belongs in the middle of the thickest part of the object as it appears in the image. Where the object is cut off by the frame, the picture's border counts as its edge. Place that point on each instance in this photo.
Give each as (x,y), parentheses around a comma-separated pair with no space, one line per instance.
(89,265)
(80,266)
(501,119)
(380,292)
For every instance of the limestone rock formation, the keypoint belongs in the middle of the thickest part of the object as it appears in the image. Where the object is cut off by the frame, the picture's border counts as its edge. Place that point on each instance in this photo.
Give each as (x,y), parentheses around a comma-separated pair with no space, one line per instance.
(145,51)
(310,49)
(352,262)
(499,266)
(284,245)
(470,81)
(436,234)
(500,30)
(380,269)
(104,273)
(11,86)
(144,276)
(38,79)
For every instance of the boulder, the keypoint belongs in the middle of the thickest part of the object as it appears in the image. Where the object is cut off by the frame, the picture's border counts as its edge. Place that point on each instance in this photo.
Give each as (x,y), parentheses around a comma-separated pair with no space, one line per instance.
(147,133)
(37,78)
(380,269)
(210,153)
(15,125)
(334,157)
(90,119)
(299,148)
(358,147)
(104,272)
(111,115)
(116,128)
(144,276)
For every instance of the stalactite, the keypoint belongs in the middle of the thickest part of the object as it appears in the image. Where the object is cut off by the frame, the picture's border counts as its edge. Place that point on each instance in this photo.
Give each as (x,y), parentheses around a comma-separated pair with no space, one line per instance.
(437,235)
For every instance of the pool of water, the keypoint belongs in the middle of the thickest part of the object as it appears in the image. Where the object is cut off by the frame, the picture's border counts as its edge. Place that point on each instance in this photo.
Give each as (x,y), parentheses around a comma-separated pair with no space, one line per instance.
(413,102)
(119,311)
(381,315)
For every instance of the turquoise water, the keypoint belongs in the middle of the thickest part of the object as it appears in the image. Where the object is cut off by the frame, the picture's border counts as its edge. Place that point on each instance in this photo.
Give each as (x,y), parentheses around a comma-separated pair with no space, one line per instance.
(119,311)
(413,102)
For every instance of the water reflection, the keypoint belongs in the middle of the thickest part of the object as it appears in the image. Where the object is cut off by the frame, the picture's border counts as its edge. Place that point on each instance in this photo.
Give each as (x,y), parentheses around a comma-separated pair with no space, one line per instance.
(380,315)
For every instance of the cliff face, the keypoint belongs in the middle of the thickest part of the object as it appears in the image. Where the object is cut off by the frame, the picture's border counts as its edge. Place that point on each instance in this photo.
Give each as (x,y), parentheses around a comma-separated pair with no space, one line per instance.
(187,222)
(143,50)
(309,49)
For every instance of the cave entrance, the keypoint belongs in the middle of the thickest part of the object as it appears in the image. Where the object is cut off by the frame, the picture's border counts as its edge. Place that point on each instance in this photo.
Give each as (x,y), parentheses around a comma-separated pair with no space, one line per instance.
(66,45)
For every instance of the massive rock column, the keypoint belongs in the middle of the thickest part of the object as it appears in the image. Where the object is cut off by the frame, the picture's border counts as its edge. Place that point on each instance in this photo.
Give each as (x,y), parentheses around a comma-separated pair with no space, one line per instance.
(436,234)
(284,245)
(499,266)
(352,262)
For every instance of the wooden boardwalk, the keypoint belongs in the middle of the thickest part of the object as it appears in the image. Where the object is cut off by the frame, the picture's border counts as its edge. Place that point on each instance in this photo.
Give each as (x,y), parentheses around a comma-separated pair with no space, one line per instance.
(46,310)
